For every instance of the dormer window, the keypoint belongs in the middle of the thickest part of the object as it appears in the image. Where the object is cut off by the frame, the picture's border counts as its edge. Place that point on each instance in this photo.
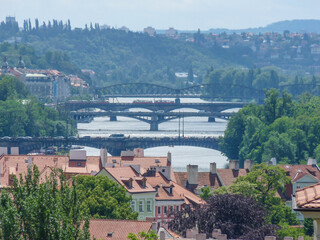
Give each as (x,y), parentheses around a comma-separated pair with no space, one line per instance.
(109,234)
(170,190)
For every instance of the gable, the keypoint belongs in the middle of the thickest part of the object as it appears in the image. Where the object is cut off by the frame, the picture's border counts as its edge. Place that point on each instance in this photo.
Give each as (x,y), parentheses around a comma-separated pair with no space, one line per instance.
(307,179)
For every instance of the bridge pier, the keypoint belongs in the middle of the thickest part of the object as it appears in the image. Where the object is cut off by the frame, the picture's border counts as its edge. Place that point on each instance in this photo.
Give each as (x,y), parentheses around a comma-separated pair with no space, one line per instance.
(154,126)
(113,118)
(211,119)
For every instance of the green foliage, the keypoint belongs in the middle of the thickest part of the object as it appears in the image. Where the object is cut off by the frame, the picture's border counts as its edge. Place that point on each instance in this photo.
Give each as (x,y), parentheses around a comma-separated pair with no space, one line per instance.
(205,193)
(308,226)
(35,208)
(287,231)
(104,198)
(30,117)
(282,128)
(151,235)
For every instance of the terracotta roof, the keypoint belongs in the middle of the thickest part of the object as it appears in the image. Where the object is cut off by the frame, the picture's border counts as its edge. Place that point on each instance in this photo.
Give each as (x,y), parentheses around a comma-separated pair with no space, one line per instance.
(227,177)
(178,192)
(18,164)
(106,229)
(123,175)
(144,162)
(296,172)
(308,197)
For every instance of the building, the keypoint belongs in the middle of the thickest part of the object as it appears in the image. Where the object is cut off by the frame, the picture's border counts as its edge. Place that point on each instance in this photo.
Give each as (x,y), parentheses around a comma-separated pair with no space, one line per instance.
(194,180)
(114,229)
(143,194)
(150,31)
(39,85)
(170,196)
(307,202)
(77,163)
(171,32)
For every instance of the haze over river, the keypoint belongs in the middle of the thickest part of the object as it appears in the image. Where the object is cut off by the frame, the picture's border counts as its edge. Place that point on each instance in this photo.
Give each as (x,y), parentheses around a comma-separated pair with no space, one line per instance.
(181,155)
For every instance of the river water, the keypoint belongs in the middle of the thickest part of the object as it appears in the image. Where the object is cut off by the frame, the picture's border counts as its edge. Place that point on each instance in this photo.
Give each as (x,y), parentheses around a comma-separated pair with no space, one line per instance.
(181,155)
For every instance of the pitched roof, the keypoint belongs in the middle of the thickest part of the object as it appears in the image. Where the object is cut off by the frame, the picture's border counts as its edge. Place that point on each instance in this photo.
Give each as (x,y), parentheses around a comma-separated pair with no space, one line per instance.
(296,172)
(125,174)
(117,229)
(178,192)
(225,177)
(18,164)
(144,162)
(308,197)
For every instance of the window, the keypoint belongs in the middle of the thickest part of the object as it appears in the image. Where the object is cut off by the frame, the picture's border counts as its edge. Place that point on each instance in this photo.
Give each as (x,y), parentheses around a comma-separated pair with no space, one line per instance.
(149,206)
(159,210)
(165,210)
(171,209)
(79,164)
(133,206)
(177,208)
(141,206)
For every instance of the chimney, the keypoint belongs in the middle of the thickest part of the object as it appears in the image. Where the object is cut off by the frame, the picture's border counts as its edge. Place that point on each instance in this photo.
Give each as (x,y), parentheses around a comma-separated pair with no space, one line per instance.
(201,236)
(162,234)
(191,233)
(213,168)
(234,164)
(103,157)
(270,238)
(165,171)
(192,171)
(169,158)
(216,232)
(138,152)
(30,162)
(248,164)
(312,162)
(273,161)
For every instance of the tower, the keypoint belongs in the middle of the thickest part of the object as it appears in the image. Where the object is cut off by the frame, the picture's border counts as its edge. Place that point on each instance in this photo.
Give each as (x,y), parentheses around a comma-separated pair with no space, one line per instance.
(21,63)
(5,65)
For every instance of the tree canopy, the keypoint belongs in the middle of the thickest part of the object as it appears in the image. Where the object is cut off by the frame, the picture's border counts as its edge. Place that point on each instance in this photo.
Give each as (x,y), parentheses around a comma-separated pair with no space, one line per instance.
(104,198)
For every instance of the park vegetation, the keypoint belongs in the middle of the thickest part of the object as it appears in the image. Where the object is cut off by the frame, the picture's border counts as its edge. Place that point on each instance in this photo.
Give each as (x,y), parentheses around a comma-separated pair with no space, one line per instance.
(22,115)
(53,207)
(281,128)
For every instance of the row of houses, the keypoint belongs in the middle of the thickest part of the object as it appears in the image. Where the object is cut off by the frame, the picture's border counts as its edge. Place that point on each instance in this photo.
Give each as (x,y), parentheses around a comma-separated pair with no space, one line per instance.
(156,190)
(45,84)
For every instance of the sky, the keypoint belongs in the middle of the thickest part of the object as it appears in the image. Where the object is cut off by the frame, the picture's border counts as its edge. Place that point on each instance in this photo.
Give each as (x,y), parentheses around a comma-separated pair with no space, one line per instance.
(162,14)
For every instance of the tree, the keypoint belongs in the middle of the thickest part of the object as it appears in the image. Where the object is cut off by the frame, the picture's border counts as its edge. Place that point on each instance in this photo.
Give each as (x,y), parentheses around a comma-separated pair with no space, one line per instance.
(37,208)
(104,198)
(206,193)
(236,215)
(151,235)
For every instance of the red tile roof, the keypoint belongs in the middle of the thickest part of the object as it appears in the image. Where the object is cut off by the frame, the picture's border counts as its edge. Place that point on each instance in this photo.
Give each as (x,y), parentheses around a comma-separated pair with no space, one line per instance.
(225,177)
(116,229)
(295,172)
(308,197)
(124,174)
(178,192)
(18,164)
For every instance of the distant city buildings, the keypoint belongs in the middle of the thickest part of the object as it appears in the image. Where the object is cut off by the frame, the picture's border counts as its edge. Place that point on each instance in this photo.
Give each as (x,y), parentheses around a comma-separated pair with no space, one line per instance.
(150,31)
(43,84)
(171,32)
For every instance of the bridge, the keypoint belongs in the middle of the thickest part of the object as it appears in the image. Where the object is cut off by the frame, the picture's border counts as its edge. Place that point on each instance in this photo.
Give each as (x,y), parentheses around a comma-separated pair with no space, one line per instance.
(161,106)
(152,118)
(114,145)
(216,91)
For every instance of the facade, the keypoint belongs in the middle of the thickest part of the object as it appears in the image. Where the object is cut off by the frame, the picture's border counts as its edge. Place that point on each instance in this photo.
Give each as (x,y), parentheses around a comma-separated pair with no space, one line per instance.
(38,84)
(142,193)
(150,31)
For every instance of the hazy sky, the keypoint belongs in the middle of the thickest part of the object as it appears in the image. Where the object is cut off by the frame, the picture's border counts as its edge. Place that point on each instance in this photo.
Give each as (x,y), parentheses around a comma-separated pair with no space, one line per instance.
(161,14)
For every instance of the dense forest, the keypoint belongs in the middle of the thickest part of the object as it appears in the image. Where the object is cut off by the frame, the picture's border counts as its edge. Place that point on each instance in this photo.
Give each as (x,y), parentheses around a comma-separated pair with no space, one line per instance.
(31,118)
(282,128)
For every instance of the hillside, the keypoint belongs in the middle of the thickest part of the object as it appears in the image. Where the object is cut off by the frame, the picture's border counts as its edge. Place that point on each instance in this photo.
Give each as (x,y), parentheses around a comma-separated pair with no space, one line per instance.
(298,25)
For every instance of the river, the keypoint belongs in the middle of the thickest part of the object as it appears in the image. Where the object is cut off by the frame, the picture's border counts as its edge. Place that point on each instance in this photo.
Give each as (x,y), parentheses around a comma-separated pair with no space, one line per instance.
(181,155)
